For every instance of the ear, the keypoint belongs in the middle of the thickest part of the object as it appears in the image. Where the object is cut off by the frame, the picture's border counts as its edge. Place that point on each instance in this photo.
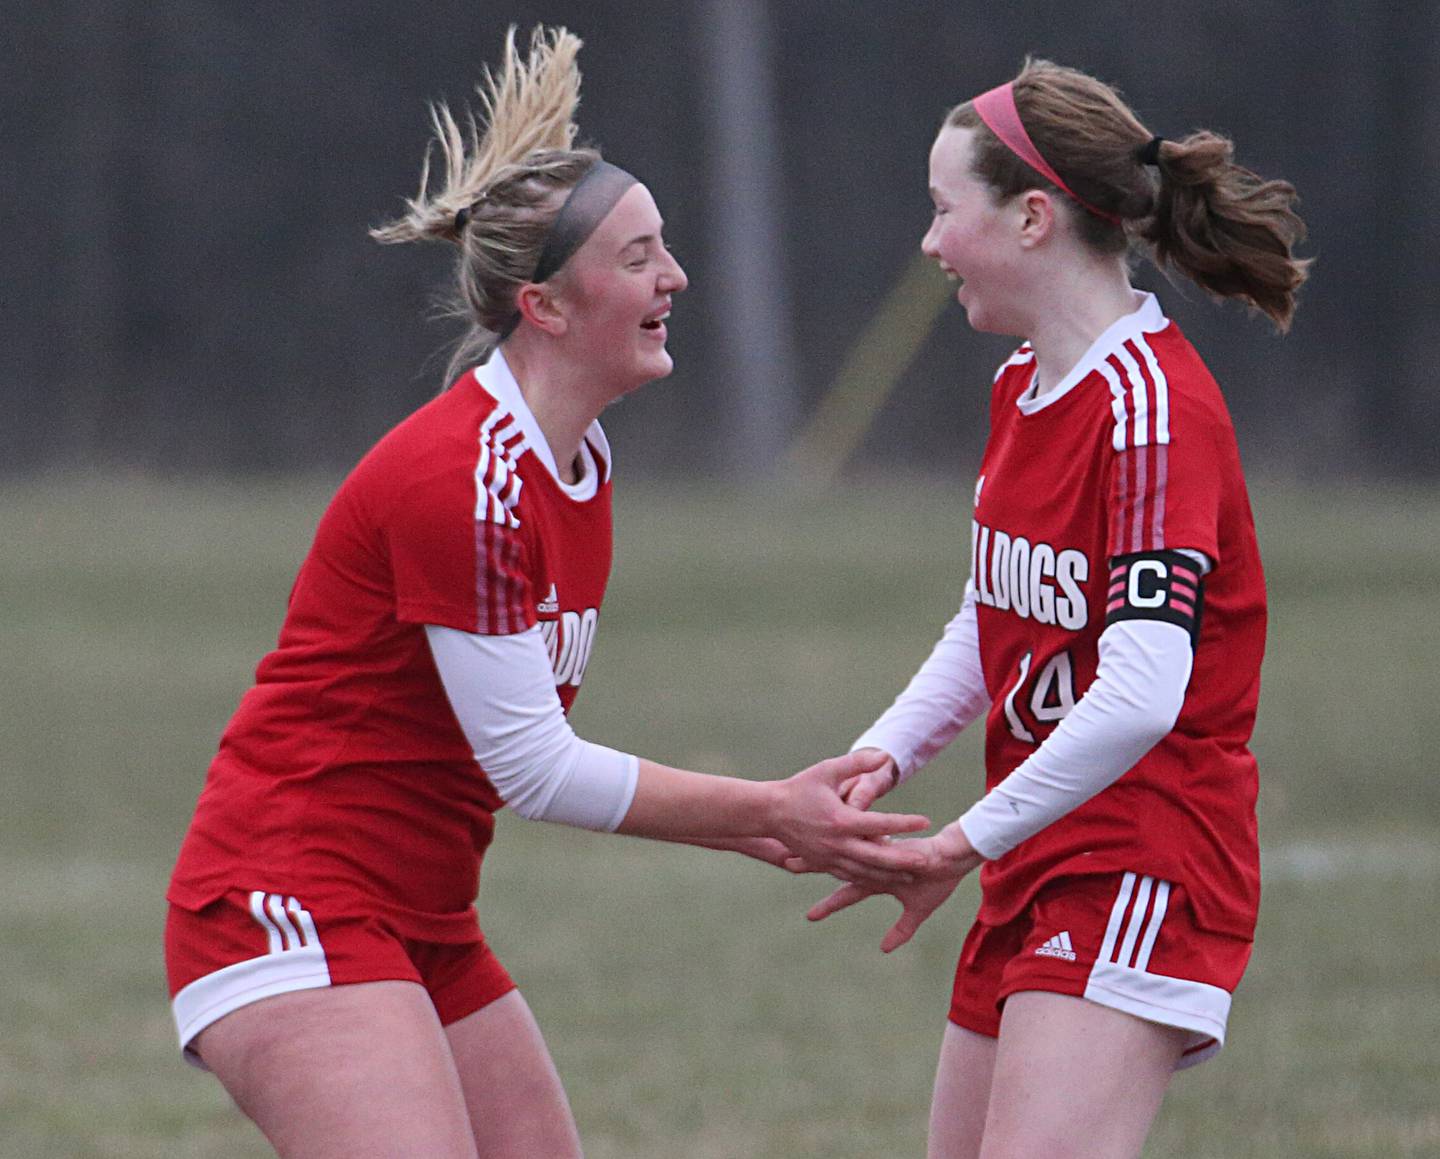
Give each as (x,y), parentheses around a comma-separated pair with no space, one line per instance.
(1038,217)
(537,305)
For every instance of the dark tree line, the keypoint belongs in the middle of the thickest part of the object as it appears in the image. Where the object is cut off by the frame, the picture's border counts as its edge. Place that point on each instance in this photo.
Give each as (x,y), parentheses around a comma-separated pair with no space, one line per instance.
(186,186)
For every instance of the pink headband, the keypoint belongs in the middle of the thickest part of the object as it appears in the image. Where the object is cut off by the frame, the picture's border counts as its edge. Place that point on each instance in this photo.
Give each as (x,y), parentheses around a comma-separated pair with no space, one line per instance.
(997,109)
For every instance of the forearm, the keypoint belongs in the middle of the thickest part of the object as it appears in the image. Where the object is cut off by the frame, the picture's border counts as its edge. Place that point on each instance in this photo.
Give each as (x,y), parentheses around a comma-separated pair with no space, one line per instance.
(697,808)
(503,695)
(1133,702)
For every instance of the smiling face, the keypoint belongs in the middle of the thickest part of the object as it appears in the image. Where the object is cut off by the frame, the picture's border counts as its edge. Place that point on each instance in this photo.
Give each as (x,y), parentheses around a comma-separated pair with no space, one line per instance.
(615,294)
(976,241)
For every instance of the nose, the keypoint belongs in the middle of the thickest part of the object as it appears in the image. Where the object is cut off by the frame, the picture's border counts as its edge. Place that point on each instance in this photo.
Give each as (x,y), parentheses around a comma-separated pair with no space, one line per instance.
(673,278)
(928,245)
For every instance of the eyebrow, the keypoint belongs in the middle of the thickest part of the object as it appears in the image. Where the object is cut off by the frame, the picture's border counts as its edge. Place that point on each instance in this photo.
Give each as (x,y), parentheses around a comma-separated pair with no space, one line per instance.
(644,238)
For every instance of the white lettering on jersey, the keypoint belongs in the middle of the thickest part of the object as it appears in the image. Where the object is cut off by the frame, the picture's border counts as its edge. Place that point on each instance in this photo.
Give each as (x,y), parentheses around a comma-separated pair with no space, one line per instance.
(1034,580)
(569,641)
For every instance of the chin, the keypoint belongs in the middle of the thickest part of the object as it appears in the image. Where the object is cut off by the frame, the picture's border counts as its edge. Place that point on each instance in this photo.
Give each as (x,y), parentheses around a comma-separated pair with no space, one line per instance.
(984,322)
(656,364)
(646,370)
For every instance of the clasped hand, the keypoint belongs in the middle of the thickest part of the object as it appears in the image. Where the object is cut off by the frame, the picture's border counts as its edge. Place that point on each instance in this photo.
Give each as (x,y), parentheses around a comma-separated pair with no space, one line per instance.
(817,828)
(939,863)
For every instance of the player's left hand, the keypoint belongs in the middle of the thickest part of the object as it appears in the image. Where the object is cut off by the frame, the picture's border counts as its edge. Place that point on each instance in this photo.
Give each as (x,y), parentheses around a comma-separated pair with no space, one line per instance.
(864,790)
(949,857)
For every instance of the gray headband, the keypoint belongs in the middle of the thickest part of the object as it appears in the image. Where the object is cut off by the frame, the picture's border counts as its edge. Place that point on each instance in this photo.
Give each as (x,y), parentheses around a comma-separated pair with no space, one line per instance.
(587,205)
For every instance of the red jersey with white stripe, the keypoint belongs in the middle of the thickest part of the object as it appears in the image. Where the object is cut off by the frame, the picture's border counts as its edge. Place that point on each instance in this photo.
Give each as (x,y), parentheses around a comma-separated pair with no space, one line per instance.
(1134,452)
(344,771)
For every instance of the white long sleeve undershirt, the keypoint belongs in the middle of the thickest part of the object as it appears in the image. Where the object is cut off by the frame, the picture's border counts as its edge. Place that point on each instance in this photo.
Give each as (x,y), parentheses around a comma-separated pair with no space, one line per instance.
(502,690)
(941,700)
(1134,700)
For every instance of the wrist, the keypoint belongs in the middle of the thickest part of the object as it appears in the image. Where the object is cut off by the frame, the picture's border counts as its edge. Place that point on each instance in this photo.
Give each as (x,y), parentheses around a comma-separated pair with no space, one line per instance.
(770,809)
(955,847)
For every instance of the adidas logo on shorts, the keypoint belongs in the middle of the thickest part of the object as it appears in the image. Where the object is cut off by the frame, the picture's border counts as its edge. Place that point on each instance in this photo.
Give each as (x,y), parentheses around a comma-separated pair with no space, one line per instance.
(1058,947)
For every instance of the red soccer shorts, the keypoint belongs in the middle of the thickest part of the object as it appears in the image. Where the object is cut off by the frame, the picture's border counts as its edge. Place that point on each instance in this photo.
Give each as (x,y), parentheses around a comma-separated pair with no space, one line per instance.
(1125,941)
(250,945)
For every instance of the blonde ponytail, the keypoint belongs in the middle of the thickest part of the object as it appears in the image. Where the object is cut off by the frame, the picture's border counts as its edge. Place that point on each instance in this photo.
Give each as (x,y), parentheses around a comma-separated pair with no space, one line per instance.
(504,181)
(529,108)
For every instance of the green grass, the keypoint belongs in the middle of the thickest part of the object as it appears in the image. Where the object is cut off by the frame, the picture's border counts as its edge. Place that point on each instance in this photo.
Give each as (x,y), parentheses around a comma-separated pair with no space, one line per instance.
(690,1008)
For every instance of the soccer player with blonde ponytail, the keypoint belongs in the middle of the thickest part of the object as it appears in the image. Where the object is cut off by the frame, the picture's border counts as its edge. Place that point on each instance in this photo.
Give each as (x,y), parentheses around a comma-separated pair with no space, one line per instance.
(323,952)
(1111,630)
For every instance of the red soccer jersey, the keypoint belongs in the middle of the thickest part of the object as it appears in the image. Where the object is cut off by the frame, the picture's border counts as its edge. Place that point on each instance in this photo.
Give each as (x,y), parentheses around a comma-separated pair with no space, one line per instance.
(344,770)
(1133,452)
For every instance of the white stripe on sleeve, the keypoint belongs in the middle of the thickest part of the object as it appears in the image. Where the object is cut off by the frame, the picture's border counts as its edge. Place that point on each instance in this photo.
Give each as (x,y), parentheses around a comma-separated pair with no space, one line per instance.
(502,690)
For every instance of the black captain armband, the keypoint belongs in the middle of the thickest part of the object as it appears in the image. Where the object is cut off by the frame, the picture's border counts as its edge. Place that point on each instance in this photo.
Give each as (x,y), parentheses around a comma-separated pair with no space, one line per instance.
(1156,585)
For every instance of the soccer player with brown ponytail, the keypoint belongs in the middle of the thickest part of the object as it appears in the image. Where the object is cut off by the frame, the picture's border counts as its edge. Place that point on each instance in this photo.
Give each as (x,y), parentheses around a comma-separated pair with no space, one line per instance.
(1111,631)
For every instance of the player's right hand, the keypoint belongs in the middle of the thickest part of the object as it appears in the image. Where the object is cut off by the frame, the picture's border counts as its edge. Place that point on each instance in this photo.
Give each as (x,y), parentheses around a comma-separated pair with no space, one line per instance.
(829,835)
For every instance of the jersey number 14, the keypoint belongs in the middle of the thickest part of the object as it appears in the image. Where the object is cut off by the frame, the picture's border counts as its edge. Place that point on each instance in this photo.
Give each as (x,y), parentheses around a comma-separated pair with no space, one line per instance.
(1052,695)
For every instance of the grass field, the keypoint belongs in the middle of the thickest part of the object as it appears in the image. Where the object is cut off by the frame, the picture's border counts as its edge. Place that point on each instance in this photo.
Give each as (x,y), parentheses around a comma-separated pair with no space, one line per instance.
(691,1009)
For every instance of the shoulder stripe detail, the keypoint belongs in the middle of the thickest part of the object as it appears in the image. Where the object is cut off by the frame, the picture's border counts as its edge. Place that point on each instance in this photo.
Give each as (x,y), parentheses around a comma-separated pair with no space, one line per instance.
(1021,356)
(1117,404)
(1140,402)
(498,587)
(497,474)
(499,566)
(1157,498)
(1140,396)
(1162,389)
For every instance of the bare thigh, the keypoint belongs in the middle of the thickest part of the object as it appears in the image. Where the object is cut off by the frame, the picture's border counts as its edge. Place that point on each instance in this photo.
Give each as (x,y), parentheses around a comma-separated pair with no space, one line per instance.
(1075,1079)
(962,1092)
(361,1071)
(516,1104)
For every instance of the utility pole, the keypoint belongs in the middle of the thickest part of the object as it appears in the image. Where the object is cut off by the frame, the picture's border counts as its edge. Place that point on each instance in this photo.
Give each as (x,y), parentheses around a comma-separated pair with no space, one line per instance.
(746,242)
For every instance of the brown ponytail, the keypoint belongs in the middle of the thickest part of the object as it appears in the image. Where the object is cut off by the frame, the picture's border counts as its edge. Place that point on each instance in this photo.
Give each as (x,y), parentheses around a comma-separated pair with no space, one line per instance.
(1223,227)
(1227,229)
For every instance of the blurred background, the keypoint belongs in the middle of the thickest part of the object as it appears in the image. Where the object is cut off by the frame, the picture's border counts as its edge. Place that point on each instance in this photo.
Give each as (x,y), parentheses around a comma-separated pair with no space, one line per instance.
(190,289)
(197,340)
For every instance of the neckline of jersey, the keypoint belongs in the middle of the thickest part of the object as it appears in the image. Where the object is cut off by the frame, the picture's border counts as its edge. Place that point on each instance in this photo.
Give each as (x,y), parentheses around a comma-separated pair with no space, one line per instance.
(498,381)
(1147,318)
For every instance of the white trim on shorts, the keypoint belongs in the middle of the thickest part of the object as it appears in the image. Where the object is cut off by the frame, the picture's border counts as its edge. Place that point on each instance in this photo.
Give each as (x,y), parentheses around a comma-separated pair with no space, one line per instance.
(295,961)
(1120,978)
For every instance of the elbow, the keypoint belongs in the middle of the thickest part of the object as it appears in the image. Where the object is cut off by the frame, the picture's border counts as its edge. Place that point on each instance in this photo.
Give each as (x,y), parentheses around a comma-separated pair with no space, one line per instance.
(1154,720)
(531,806)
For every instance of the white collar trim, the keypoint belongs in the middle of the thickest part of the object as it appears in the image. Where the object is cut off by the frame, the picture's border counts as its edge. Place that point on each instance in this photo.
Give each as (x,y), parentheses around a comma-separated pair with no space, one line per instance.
(1147,318)
(498,381)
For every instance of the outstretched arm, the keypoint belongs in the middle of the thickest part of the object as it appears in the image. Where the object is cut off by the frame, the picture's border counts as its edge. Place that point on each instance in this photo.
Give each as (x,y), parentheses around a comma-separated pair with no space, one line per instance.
(1133,702)
(503,694)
